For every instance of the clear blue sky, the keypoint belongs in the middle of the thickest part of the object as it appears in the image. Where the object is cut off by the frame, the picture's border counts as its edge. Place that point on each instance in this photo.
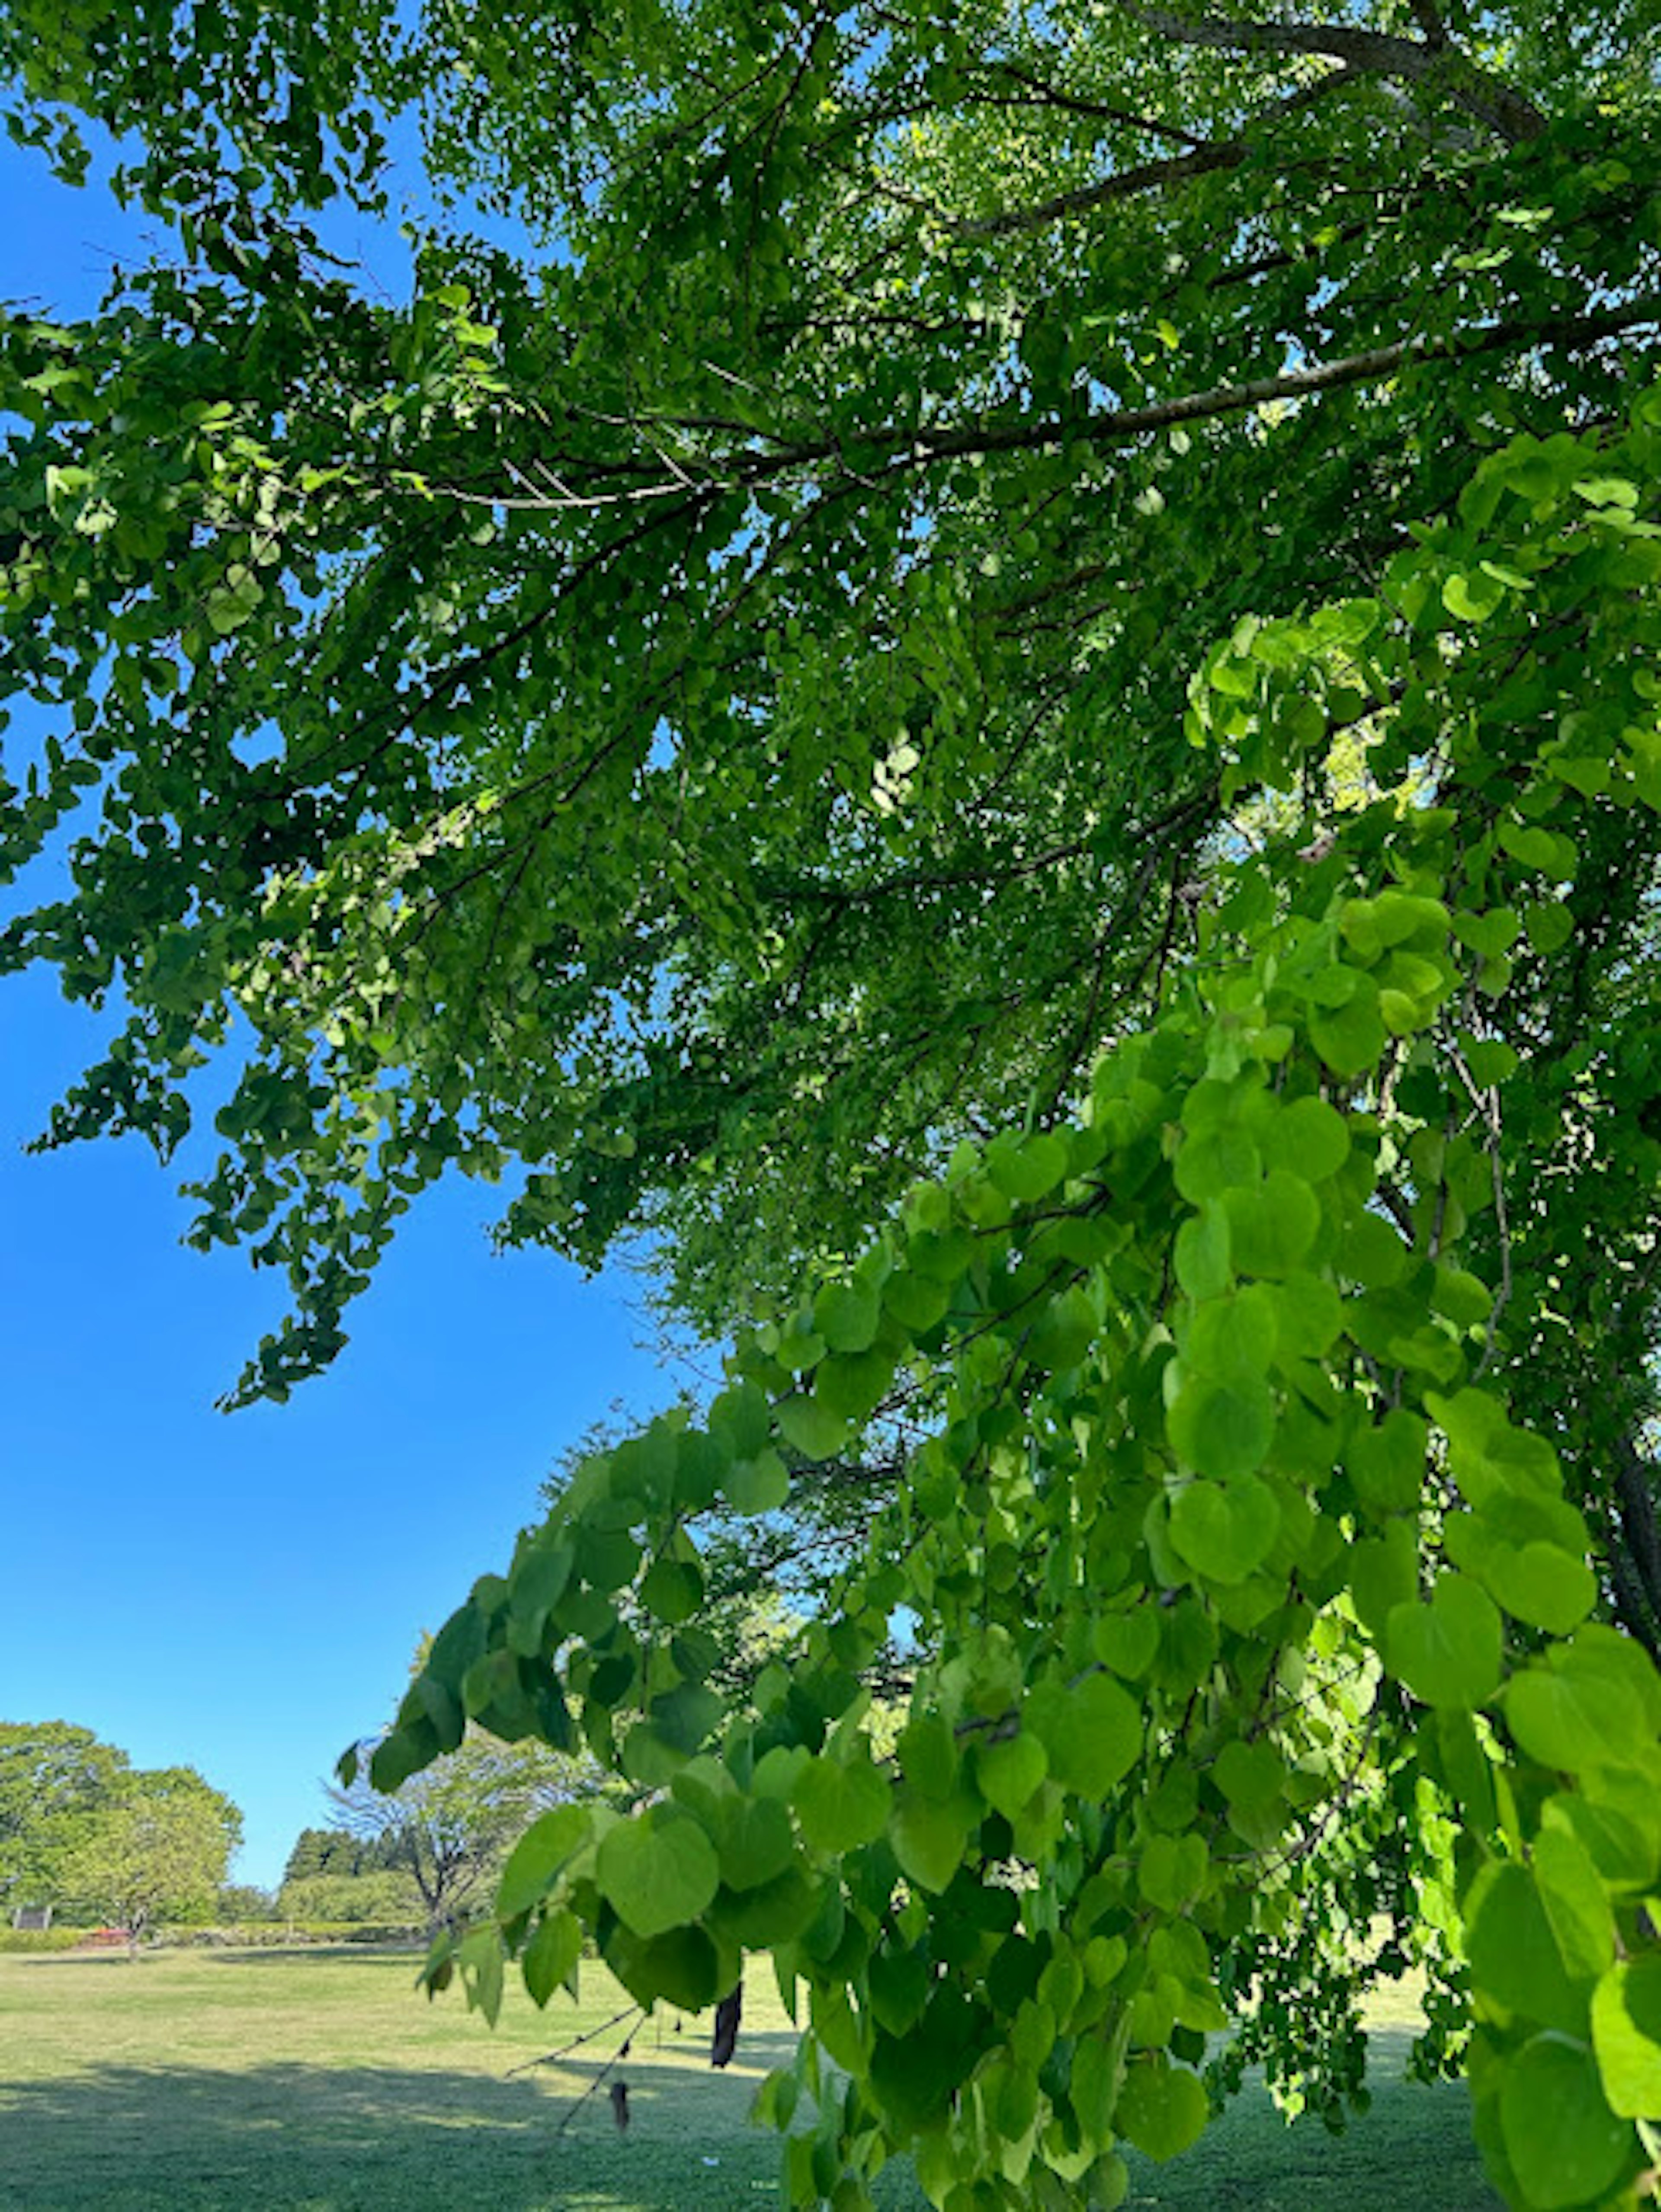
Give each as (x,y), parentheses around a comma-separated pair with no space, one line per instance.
(243,1593)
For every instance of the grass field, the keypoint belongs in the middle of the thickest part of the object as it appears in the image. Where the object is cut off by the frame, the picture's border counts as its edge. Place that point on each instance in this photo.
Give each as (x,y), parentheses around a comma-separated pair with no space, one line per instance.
(321,2083)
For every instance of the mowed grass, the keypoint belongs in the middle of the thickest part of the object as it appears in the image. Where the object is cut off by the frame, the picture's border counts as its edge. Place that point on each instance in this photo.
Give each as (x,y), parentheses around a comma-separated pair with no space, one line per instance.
(323,2082)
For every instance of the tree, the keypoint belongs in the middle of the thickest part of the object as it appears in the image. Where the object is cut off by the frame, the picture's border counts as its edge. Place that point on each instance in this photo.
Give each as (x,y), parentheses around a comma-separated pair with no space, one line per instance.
(388,1900)
(54,1778)
(447,1830)
(158,1851)
(997,695)
(335,1853)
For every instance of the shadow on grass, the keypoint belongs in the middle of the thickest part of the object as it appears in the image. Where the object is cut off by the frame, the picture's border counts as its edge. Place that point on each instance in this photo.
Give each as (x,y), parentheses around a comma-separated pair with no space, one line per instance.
(1412,2151)
(289,2137)
(303,2137)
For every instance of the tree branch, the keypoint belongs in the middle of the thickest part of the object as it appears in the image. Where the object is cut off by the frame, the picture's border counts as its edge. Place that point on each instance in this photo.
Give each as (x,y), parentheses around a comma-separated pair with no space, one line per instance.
(1377,53)
(1205,160)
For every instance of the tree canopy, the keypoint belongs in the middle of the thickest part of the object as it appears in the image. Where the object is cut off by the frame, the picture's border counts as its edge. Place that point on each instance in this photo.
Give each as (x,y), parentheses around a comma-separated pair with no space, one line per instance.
(158,1850)
(54,1777)
(994,693)
(83,1830)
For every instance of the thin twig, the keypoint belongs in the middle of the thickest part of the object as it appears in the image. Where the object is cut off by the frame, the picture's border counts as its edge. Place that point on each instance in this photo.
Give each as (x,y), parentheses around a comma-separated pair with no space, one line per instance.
(553,2057)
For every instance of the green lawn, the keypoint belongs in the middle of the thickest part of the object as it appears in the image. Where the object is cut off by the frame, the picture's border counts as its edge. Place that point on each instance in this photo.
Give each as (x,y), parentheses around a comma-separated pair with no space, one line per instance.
(321,2083)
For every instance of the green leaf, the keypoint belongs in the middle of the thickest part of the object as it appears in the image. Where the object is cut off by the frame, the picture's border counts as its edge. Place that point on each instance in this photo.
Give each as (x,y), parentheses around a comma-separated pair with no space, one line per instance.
(547,1845)
(399,1755)
(1127,1641)
(1387,1463)
(767,1913)
(1202,1252)
(1625,2035)
(1162,2108)
(1233,1338)
(1272,1224)
(1550,927)
(1448,1651)
(1222,1430)
(928,1754)
(900,1984)
(1489,935)
(234,601)
(1383,1574)
(672,1589)
(1224,1530)
(1309,1316)
(1543,1585)
(1093,2091)
(811,1427)
(1577,1905)
(1092,1733)
(1472,597)
(1560,2136)
(1063,1333)
(847,1316)
(1310,1138)
(658,1870)
(929,1836)
(685,1966)
(1027,1169)
(918,1302)
(757,1485)
(1514,1958)
(741,1417)
(753,1840)
(1249,1775)
(1370,1252)
(1571,1719)
(1542,850)
(1009,1771)
(850,1386)
(1171,1871)
(1351,1037)
(842,1804)
(552,1955)
(1213,1163)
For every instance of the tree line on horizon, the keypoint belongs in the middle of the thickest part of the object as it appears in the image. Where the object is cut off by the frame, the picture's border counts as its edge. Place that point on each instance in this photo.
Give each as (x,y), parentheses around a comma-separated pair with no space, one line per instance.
(97,1841)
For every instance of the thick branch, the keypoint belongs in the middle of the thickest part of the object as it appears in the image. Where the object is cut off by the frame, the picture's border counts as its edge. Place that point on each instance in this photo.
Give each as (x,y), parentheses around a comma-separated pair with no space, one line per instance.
(1377,53)
(1428,16)
(1125,183)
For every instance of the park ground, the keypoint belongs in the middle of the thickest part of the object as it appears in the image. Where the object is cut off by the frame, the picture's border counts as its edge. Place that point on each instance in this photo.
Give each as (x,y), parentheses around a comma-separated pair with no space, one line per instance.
(227,2081)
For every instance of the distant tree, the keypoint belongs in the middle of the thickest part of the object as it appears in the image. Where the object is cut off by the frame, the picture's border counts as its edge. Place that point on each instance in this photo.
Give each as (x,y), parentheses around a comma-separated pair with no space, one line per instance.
(337,1854)
(387,1898)
(54,1778)
(158,1850)
(240,1902)
(450,1827)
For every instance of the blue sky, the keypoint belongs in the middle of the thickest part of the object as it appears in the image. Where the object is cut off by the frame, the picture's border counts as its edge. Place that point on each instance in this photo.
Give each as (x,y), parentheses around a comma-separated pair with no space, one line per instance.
(242,1594)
